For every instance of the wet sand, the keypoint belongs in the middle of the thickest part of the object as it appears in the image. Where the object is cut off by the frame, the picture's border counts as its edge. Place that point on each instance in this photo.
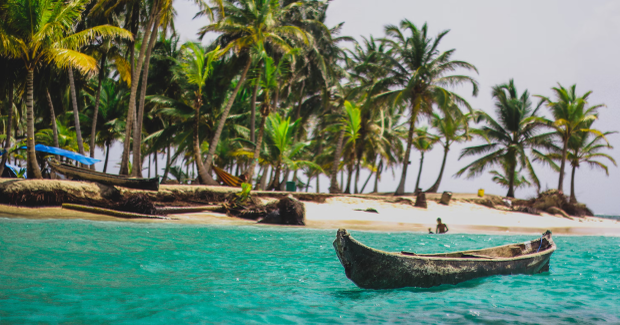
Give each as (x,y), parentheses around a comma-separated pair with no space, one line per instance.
(339,212)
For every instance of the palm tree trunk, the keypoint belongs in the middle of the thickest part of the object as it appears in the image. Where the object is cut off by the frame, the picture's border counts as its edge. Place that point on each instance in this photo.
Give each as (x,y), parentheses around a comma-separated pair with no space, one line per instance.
(357,176)
(435,186)
(563,166)
(253,105)
(107,156)
(167,168)
(275,184)
(93,129)
(511,177)
(417,182)
(156,169)
(149,173)
(333,186)
(573,198)
(259,143)
(131,113)
(263,178)
(366,182)
(137,131)
(349,177)
(377,177)
(7,141)
(401,186)
(317,183)
(301,97)
(76,115)
(32,167)
(53,117)
(203,174)
(220,125)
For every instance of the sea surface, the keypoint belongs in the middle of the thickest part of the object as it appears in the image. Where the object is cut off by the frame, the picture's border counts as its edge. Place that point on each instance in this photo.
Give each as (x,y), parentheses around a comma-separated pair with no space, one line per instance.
(92,272)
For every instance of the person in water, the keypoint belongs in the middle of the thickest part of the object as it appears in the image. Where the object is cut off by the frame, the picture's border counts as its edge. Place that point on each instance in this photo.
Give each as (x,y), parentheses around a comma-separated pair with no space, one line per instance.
(442,228)
(430,231)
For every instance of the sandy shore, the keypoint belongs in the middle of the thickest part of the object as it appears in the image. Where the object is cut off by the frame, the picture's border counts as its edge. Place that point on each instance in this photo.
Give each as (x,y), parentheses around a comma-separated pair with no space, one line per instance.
(339,212)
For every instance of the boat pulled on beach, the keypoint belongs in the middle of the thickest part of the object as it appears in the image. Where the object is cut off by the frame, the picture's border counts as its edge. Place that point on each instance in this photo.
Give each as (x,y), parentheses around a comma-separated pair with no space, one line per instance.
(370,268)
(151,184)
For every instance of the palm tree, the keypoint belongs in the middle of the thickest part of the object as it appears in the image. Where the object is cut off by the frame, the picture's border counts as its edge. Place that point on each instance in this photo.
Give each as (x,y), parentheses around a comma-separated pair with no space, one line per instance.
(246,24)
(196,67)
(421,72)
(508,139)
(111,112)
(423,142)
(571,115)
(41,31)
(450,129)
(518,180)
(583,148)
(351,124)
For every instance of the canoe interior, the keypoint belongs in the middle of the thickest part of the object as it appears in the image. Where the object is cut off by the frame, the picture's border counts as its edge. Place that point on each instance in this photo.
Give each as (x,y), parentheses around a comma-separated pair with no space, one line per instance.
(95,176)
(507,251)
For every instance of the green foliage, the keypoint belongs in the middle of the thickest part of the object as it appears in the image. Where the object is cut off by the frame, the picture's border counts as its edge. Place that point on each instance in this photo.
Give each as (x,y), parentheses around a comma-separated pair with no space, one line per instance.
(244,194)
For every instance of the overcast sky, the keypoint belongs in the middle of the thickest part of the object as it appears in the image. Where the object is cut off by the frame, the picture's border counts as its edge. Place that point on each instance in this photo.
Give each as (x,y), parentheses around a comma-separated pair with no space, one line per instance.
(538,43)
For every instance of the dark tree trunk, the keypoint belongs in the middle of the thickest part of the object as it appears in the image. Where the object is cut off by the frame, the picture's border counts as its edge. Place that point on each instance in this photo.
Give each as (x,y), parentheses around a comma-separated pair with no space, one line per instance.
(253,105)
(366,182)
(573,197)
(156,168)
(333,186)
(32,167)
(220,124)
(93,130)
(53,118)
(435,186)
(7,141)
(167,168)
(76,114)
(131,113)
(259,143)
(563,166)
(417,182)
(378,177)
(137,132)
(357,176)
(107,156)
(401,186)
(349,177)
(511,178)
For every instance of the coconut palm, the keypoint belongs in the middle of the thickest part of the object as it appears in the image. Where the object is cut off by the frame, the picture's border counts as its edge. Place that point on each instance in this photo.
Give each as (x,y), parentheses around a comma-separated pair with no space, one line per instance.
(423,142)
(351,124)
(196,67)
(583,148)
(41,32)
(571,116)
(450,129)
(518,180)
(509,138)
(246,24)
(420,72)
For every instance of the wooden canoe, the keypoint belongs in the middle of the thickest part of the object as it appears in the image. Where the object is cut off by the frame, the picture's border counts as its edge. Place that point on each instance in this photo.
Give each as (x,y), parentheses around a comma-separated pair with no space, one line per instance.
(374,269)
(151,184)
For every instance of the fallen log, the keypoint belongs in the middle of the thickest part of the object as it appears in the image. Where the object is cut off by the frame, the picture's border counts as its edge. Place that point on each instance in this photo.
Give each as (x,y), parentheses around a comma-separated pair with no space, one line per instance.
(110,212)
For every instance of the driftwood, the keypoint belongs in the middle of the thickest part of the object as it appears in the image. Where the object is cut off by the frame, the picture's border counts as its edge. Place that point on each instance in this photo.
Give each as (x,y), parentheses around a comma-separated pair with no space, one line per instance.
(445,198)
(420,201)
(110,212)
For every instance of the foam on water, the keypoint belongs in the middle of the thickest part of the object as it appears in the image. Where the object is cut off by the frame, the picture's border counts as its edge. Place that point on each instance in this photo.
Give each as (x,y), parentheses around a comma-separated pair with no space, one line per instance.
(84,271)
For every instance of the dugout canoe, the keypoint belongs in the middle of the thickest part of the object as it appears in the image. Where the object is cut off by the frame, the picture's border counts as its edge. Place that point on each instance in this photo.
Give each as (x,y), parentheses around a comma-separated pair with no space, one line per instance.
(370,268)
(151,184)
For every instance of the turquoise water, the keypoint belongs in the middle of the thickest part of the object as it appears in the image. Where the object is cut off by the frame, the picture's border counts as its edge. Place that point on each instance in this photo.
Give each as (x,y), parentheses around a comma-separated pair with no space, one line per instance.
(76,271)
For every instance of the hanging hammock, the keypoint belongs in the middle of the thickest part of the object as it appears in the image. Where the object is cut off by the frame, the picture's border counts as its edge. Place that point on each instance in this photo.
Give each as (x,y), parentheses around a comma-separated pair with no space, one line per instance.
(227,178)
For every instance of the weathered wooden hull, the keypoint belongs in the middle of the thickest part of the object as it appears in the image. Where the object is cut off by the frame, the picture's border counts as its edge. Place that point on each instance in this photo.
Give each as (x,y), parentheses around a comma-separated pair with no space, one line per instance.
(374,269)
(151,184)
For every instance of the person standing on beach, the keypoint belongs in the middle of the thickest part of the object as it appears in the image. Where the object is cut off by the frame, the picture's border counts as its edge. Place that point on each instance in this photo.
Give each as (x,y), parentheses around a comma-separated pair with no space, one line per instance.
(442,228)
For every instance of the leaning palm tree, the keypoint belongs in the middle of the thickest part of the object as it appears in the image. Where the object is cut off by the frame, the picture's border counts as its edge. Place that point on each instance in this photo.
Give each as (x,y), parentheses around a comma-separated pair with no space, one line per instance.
(583,148)
(571,116)
(423,142)
(451,129)
(196,67)
(246,24)
(420,72)
(508,139)
(41,32)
